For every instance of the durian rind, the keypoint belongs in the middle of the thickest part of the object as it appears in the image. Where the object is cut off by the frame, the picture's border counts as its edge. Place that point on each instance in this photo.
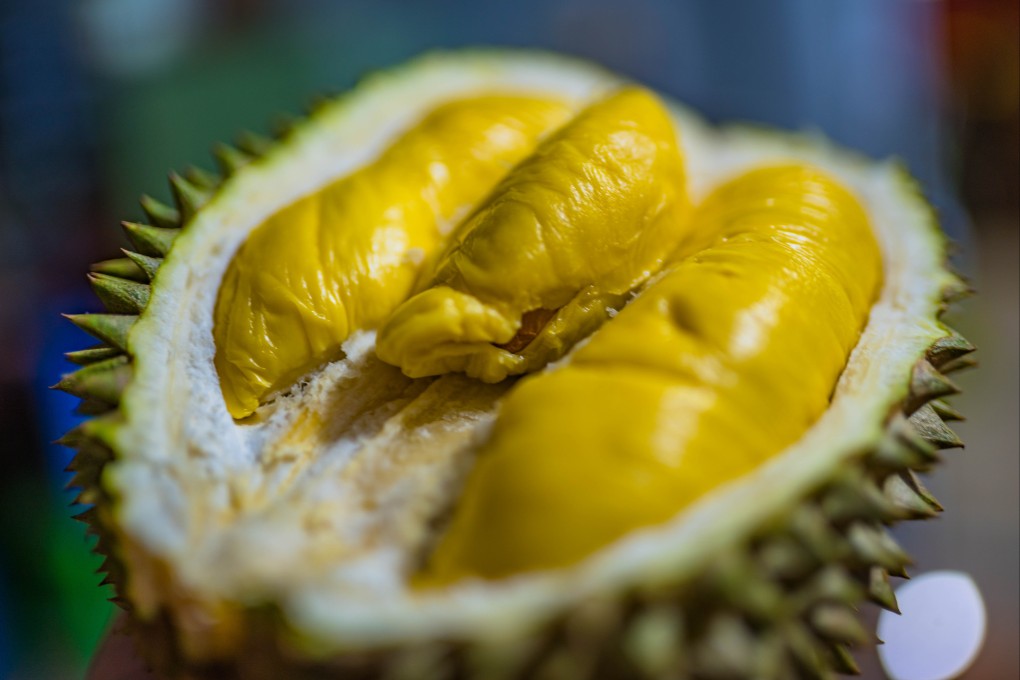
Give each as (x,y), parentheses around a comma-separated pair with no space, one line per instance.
(759,580)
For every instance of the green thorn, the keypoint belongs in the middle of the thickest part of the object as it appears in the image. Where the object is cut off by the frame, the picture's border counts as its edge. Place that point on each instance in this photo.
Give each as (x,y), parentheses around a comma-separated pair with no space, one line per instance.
(110,328)
(230,159)
(837,623)
(908,501)
(804,648)
(160,214)
(103,381)
(84,357)
(957,365)
(933,430)
(120,295)
(284,125)
(203,179)
(254,144)
(188,197)
(880,591)
(926,383)
(956,290)
(152,241)
(843,661)
(654,641)
(945,411)
(122,268)
(948,348)
(832,584)
(149,265)
(92,407)
(734,576)
(874,546)
(783,558)
(852,496)
(812,529)
(726,650)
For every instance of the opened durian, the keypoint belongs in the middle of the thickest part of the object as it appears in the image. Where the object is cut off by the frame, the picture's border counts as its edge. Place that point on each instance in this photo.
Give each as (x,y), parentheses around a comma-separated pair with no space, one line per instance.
(503,367)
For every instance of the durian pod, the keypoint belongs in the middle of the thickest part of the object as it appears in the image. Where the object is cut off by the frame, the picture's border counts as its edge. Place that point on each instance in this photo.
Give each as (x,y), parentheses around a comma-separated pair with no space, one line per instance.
(775,599)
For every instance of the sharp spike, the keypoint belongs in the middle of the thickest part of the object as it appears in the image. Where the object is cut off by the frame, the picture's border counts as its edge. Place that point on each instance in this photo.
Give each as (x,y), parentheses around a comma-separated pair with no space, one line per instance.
(103,381)
(318,103)
(152,241)
(932,429)
(873,546)
(832,584)
(843,661)
(880,591)
(203,179)
(655,641)
(92,407)
(254,144)
(803,647)
(812,529)
(726,650)
(149,265)
(121,267)
(160,214)
(120,295)
(926,383)
(908,501)
(86,516)
(740,584)
(110,328)
(188,197)
(784,559)
(957,365)
(945,411)
(230,159)
(284,125)
(837,623)
(948,348)
(956,290)
(84,357)
(853,496)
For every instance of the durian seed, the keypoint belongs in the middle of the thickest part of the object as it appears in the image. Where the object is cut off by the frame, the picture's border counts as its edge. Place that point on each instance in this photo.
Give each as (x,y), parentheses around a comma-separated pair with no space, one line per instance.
(843,661)
(110,328)
(254,144)
(104,380)
(121,267)
(926,383)
(188,197)
(203,179)
(880,591)
(931,427)
(84,357)
(149,265)
(120,295)
(149,240)
(910,503)
(948,348)
(230,158)
(945,411)
(837,623)
(874,546)
(160,214)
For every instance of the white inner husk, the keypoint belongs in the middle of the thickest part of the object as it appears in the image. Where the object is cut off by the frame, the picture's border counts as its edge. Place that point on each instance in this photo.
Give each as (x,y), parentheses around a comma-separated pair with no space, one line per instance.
(323,514)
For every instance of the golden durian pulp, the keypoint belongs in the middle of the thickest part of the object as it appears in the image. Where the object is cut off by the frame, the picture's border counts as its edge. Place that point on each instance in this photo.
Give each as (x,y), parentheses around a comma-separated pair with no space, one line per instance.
(501,366)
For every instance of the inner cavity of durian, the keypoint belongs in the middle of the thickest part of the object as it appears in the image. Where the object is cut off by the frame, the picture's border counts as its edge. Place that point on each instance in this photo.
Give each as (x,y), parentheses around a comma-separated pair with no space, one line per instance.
(400,448)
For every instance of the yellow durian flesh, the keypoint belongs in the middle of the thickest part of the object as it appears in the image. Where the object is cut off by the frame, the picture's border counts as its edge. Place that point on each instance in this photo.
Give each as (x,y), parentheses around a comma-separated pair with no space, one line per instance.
(722,362)
(341,258)
(591,214)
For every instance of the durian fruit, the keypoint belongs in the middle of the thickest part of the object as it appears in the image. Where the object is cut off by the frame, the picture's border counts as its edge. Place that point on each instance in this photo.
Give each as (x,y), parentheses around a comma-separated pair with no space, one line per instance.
(273,500)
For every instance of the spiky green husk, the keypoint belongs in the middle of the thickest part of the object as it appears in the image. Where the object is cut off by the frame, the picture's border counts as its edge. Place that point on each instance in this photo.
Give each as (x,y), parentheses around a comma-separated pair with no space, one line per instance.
(780,604)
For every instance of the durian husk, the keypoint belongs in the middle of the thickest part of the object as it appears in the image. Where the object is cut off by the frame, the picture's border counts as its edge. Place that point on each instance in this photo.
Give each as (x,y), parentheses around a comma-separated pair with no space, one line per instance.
(778,599)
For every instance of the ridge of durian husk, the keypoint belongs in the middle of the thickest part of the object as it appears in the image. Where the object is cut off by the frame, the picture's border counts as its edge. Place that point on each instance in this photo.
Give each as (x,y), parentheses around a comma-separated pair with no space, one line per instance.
(779,601)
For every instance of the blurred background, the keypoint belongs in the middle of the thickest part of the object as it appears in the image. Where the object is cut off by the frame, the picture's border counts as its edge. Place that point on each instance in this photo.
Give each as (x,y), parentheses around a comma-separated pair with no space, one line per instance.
(100,98)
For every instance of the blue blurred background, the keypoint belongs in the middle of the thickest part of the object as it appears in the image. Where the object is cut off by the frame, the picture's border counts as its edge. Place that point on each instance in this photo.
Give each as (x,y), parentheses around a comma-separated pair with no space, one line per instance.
(100,98)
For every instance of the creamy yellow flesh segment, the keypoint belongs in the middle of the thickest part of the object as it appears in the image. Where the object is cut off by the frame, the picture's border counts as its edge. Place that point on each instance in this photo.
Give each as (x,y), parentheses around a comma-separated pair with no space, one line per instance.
(589,216)
(723,362)
(342,258)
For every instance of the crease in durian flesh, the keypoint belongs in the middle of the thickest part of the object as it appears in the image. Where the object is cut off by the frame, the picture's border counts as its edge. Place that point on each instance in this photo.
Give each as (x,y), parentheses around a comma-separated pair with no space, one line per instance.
(746,310)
